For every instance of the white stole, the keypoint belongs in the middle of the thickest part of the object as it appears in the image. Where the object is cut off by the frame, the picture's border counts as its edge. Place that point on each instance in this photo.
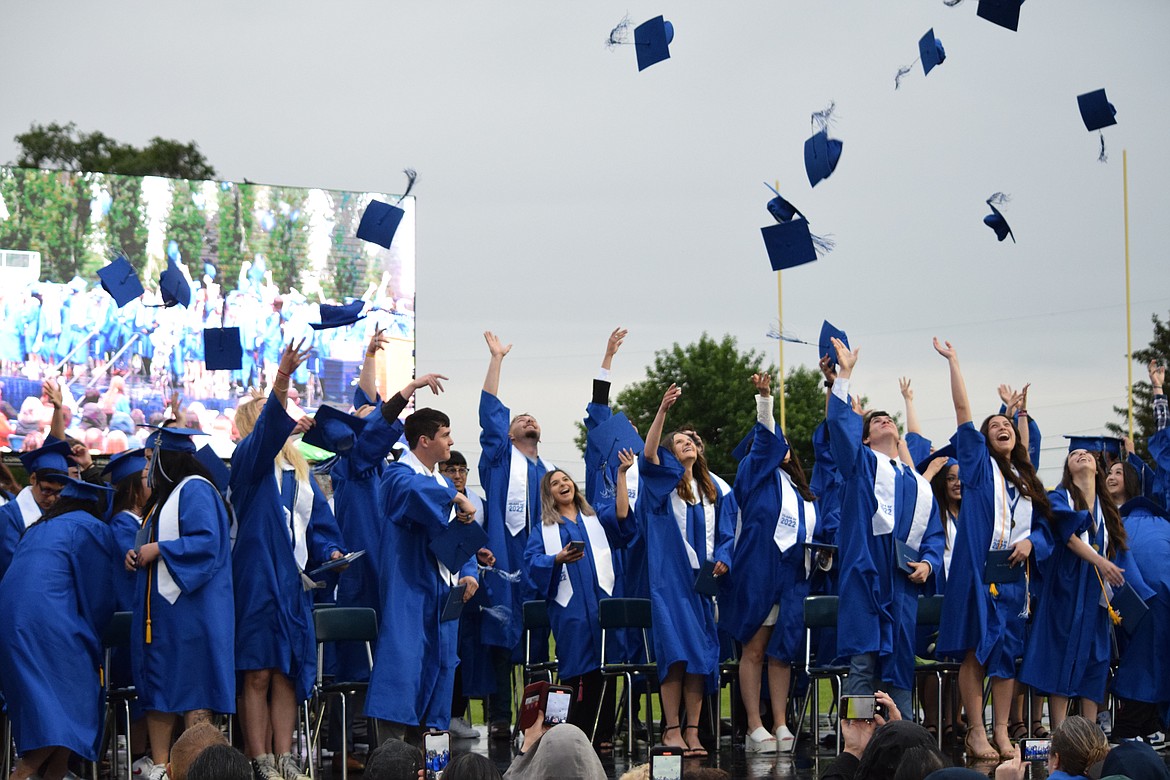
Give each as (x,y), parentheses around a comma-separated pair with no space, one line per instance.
(1007,511)
(29,511)
(602,555)
(923,503)
(415,465)
(516,513)
(787,523)
(169,531)
(477,502)
(680,508)
(302,513)
(885,490)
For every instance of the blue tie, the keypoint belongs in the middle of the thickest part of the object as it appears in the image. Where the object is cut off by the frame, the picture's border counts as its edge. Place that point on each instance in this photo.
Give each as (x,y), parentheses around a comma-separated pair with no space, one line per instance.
(697,531)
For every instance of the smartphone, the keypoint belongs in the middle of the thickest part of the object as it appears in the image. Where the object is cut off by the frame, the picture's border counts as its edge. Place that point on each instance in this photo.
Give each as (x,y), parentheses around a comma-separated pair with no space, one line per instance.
(666,763)
(1035,749)
(858,707)
(577,547)
(556,707)
(437,750)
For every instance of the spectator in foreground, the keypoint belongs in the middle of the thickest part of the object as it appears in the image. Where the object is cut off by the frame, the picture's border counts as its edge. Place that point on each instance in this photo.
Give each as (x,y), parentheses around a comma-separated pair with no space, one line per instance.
(189,746)
(471,766)
(1135,760)
(220,762)
(556,751)
(394,760)
(1077,744)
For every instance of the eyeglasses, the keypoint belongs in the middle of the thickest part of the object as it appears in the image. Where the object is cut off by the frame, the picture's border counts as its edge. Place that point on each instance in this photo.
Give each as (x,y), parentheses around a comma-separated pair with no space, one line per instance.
(47,491)
(458,470)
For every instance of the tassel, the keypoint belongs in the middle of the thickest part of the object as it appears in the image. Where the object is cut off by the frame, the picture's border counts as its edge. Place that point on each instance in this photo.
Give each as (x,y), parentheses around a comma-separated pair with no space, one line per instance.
(998,198)
(951,3)
(411,177)
(101,677)
(1102,157)
(822,119)
(903,72)
(1114,615)
(149,636)
(993,590)
(823,244)
(619,34)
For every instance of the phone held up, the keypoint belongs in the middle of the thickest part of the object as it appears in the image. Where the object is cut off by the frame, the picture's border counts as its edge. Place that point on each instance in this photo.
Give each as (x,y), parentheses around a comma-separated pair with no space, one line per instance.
(860,708)
(437,753)
(666,763)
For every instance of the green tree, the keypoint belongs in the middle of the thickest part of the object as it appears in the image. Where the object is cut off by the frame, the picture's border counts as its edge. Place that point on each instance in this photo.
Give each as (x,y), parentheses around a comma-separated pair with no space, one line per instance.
(49,212)
(236,230)
(1143,414)
(345,265)
(288,243)
(186,224)
(126,221)
(64,147)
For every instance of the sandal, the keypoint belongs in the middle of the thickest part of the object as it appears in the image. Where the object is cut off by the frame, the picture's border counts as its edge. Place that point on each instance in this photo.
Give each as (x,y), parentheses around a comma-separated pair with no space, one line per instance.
(668,729)
(1038,730)
(694,752)
(1018,730)
(991,754)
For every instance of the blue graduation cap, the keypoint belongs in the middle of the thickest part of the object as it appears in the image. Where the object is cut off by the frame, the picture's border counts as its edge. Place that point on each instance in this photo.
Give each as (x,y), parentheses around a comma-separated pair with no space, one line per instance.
(339,316)
(617,433)
(1096,110)
(652,42)
(173,286)
(53,457)
(1109,444)
(789,244)
(1005,13)
(458,544)
(173,439)
(930,51)
(125,464)
(379,223)
(222,349)
(220,473)
(88,491)
(995,219)
(360,398)
(821,155)
(745,446)
(780,208)
(334,430)
(825,342)
(120,281)
(947,452)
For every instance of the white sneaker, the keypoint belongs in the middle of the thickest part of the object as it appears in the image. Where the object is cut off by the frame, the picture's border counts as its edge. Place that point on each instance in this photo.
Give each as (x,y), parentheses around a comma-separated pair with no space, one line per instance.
(785,739)
(158,772)
(1157,740)
(142,766)
(264,768)
(289,769)
(461,729)
(1105,721)
(760,741)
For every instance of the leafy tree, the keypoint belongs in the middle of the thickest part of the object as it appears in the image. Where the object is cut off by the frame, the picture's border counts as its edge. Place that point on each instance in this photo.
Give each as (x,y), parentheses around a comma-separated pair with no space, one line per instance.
(345,265)
(186,224)
(236,230)
(288,242)
(49,213)
(64,147)
(126,221)
(1143,415)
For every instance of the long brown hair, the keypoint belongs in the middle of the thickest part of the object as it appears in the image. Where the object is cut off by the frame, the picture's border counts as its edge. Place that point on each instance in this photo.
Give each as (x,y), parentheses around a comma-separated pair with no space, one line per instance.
(792,468)
(549,513)
(1023,478)
(1117,538)
(699,471)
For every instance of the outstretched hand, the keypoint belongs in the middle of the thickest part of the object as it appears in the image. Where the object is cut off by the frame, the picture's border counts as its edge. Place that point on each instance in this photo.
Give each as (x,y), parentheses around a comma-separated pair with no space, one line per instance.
(846,358)
(433,381)
(497,349)
(947,351)
(762,383)
(904,386)
(627,459)
(377,342)
(670,397)
(615,342)
(293,356)
(52,393)
(827,368)
(1157,374)
(302,426)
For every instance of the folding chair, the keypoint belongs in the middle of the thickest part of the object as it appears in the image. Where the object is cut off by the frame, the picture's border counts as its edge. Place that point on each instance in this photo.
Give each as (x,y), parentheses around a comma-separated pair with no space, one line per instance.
(634,615)
(819,612)
(536,623)
(728,675)
(115,637)
(929,616)
(340,624)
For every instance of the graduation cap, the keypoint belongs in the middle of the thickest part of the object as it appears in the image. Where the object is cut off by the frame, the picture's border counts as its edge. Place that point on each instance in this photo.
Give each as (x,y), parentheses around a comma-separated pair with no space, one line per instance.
(745,446)
(220,473)
(88,491)
(174,286)
(1005,13)
(54,457)
(616,433)
(790,242)
(821,154)
(825,342)
(930,51)
(947,452)
(360,398)
(458,544)
(125,464)
(380,220)
(222,349)
(339,316)
(995,219)
(334,430)
(173,439)
(1109,444)
(652,42)
(1097,112)
(119,280)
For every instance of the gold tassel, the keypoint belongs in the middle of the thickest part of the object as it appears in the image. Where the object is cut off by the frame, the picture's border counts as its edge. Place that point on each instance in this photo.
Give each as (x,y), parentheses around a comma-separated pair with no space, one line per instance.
(1114,615)
(993,590)
(148,636)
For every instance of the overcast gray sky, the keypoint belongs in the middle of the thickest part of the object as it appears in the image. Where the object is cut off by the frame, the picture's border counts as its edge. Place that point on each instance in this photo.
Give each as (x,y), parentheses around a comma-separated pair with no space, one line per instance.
(562,193)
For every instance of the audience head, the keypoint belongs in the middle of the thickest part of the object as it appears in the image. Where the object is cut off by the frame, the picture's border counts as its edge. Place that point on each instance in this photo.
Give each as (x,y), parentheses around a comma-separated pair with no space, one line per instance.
(394,760)
(191,744)
(1077,743)
(1137,761)
(471,766)
(220,762)
(889,743)
(918,762)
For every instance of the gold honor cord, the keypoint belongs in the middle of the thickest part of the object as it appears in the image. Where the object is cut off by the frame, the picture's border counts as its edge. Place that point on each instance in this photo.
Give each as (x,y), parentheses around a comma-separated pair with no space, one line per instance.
(149,582)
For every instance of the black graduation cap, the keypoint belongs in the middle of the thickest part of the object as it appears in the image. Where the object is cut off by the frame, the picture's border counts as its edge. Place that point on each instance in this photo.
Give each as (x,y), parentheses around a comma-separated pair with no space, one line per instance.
(652,41)
(616,433)
(120,281)
(825,342)
(458,544)
(222,349)
(1096,110)
(174,286)
(1109,444)
(334,430)
(821,154)
(995,219)
(1005,13)
(339,316)
(930,51)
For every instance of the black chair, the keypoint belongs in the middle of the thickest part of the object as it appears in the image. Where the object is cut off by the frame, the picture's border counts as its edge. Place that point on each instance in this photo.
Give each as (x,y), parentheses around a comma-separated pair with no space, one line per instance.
(728,675)
(536,623)
(630,615)
(819,612)
(117,637)
(340,624)
(929,616)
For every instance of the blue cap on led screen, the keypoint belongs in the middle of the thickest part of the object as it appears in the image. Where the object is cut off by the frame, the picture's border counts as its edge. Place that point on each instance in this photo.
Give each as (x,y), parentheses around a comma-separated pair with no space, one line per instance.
(379,223)
(174,286)
(930,51)
(222,349)
(339,316)
(120,281)
(652,41)
(1096,110)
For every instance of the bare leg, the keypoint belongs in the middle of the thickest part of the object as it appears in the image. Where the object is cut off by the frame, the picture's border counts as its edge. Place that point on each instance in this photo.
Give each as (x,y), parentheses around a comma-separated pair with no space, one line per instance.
(671,700)
(971,691)
(284,713)
(751,664)
(1057,709)
(1002,693)
(196,716)
(256,719)
(1089,709)
(160,727)
(57,765)
(694,686)
(928,695)
(30,762)
(779,678)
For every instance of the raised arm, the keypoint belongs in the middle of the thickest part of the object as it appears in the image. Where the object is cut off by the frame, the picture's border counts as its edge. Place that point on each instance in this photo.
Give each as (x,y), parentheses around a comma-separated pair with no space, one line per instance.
(654,435)
(612,346)
(763,384)
(958,386)
(1157,378)
(830,373)
(912,425)
(367,379)
(491,382)
(622,497)
(52,395)
(290,360)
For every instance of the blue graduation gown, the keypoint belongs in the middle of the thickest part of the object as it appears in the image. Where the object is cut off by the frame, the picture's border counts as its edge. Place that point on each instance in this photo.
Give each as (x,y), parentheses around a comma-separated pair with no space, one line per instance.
(11,528)
(55,602)
(495,466)
(1143,674)
(477,676)
(826,484)
(125,526)
(416,655)
(973,619)
(761,575)
(878,603)
(357,502)
(684,621)
(1159,448)
(575,626)
(187,665)
(274,620)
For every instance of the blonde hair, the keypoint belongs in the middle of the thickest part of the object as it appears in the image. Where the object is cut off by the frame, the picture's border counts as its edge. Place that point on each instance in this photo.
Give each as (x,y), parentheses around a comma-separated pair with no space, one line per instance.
(639,772)
(549,513)
(246,415)
(1079,743)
